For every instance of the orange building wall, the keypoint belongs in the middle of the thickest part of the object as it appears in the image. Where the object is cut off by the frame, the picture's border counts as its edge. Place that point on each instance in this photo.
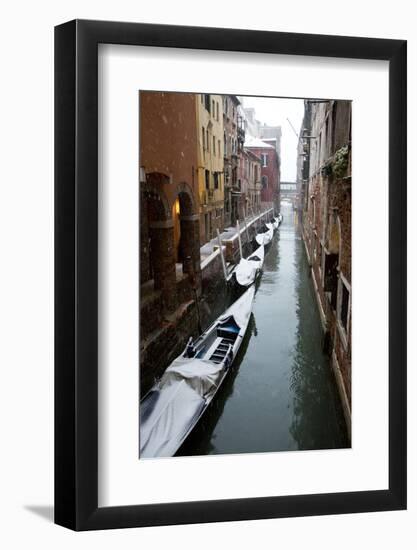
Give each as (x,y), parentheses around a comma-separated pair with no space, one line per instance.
(168,139)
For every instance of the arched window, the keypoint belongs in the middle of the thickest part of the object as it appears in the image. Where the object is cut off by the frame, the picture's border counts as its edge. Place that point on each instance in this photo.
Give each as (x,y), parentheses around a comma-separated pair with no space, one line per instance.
(264,181)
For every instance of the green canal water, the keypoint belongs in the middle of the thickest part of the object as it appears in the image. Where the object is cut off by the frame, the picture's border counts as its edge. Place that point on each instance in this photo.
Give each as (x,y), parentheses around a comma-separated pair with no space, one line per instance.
(280,394)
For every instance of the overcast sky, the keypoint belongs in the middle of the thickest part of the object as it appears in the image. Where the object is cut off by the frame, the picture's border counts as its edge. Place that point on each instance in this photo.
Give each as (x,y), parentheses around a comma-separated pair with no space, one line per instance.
(274,112)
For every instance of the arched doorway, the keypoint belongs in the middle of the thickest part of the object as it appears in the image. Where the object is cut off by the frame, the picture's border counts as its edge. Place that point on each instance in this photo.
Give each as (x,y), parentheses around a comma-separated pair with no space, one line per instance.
(186,231)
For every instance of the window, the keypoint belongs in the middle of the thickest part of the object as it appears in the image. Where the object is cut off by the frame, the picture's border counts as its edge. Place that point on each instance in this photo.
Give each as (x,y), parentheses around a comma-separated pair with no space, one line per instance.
(214,145)
(203,133)
(344,306)
(213,108)
(207,141)
(207,102)
(264,158)
(218,147)
(217,110)
(216,180)
(264,181)
(202,99)
(207,175)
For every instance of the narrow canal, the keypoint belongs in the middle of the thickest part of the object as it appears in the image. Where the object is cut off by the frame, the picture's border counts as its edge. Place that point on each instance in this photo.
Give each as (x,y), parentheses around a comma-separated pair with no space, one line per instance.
(280,394)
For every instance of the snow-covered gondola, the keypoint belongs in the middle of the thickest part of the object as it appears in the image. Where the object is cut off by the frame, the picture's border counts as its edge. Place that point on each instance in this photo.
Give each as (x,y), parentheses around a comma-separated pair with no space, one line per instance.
(275,222)
(248,268)
(264,237)
(172,408)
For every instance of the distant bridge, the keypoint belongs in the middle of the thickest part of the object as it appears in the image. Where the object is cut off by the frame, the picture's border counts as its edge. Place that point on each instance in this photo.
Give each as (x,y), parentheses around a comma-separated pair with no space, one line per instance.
(288,190)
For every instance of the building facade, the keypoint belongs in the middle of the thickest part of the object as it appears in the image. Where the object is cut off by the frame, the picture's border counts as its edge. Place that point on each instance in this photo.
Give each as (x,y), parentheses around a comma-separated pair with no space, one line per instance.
(272,135)
(232,139)
(252,125)
(324,184)
(169,192)
(270,172)
(210,164)
(249,175)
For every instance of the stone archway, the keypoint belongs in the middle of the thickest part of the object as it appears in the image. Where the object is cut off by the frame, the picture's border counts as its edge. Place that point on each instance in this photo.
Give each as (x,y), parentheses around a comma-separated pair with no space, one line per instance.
(186,230)
(156,240)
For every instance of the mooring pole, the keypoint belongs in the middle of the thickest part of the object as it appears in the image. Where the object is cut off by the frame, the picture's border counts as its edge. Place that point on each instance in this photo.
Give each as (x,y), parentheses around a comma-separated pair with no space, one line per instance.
(246,228)
(239,239)
(255,221)
(221,254)
(194,285)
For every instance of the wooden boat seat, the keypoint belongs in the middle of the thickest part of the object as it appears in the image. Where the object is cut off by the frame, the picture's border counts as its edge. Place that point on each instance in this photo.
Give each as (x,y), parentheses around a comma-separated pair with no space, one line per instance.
(221,350)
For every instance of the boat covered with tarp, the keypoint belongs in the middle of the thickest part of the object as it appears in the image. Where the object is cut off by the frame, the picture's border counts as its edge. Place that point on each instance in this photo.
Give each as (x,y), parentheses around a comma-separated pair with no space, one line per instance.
(264,235)
(171,409)
(248,268)
(275,222)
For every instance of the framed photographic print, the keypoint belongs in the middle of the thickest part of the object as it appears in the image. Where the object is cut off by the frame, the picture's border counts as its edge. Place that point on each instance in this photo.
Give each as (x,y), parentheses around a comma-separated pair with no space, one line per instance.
(230,253)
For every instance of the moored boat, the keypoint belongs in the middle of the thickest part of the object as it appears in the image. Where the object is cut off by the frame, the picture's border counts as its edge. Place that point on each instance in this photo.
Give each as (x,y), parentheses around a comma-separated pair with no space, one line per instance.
(171,409)
(248,268)
(275,222)
(264,236)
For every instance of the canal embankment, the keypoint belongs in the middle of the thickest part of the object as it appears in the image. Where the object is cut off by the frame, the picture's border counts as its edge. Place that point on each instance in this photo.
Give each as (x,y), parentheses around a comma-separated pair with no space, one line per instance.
(201,298)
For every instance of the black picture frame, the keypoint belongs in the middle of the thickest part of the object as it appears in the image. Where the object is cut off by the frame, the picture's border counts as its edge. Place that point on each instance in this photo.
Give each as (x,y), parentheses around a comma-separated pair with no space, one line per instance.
(76,271)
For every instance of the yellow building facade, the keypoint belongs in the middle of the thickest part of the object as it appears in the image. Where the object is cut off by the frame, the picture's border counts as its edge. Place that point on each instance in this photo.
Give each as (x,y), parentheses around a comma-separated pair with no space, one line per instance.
(210,171)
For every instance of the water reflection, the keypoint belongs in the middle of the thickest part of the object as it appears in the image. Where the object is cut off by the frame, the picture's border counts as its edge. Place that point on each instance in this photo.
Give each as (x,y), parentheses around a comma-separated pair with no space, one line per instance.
(280,394)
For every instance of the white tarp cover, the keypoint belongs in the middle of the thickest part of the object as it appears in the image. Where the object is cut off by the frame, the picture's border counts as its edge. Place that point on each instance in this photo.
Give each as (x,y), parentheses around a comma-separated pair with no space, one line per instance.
(241,309)
(246,269)
(246,272)
(202,376)
(264,238)
(166,417)
(274,224)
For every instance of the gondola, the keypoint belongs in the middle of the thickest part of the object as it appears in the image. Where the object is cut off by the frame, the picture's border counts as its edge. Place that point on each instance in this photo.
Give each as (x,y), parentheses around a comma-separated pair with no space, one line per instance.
(264,237)
(171,409)
(248,268)
(273,224)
